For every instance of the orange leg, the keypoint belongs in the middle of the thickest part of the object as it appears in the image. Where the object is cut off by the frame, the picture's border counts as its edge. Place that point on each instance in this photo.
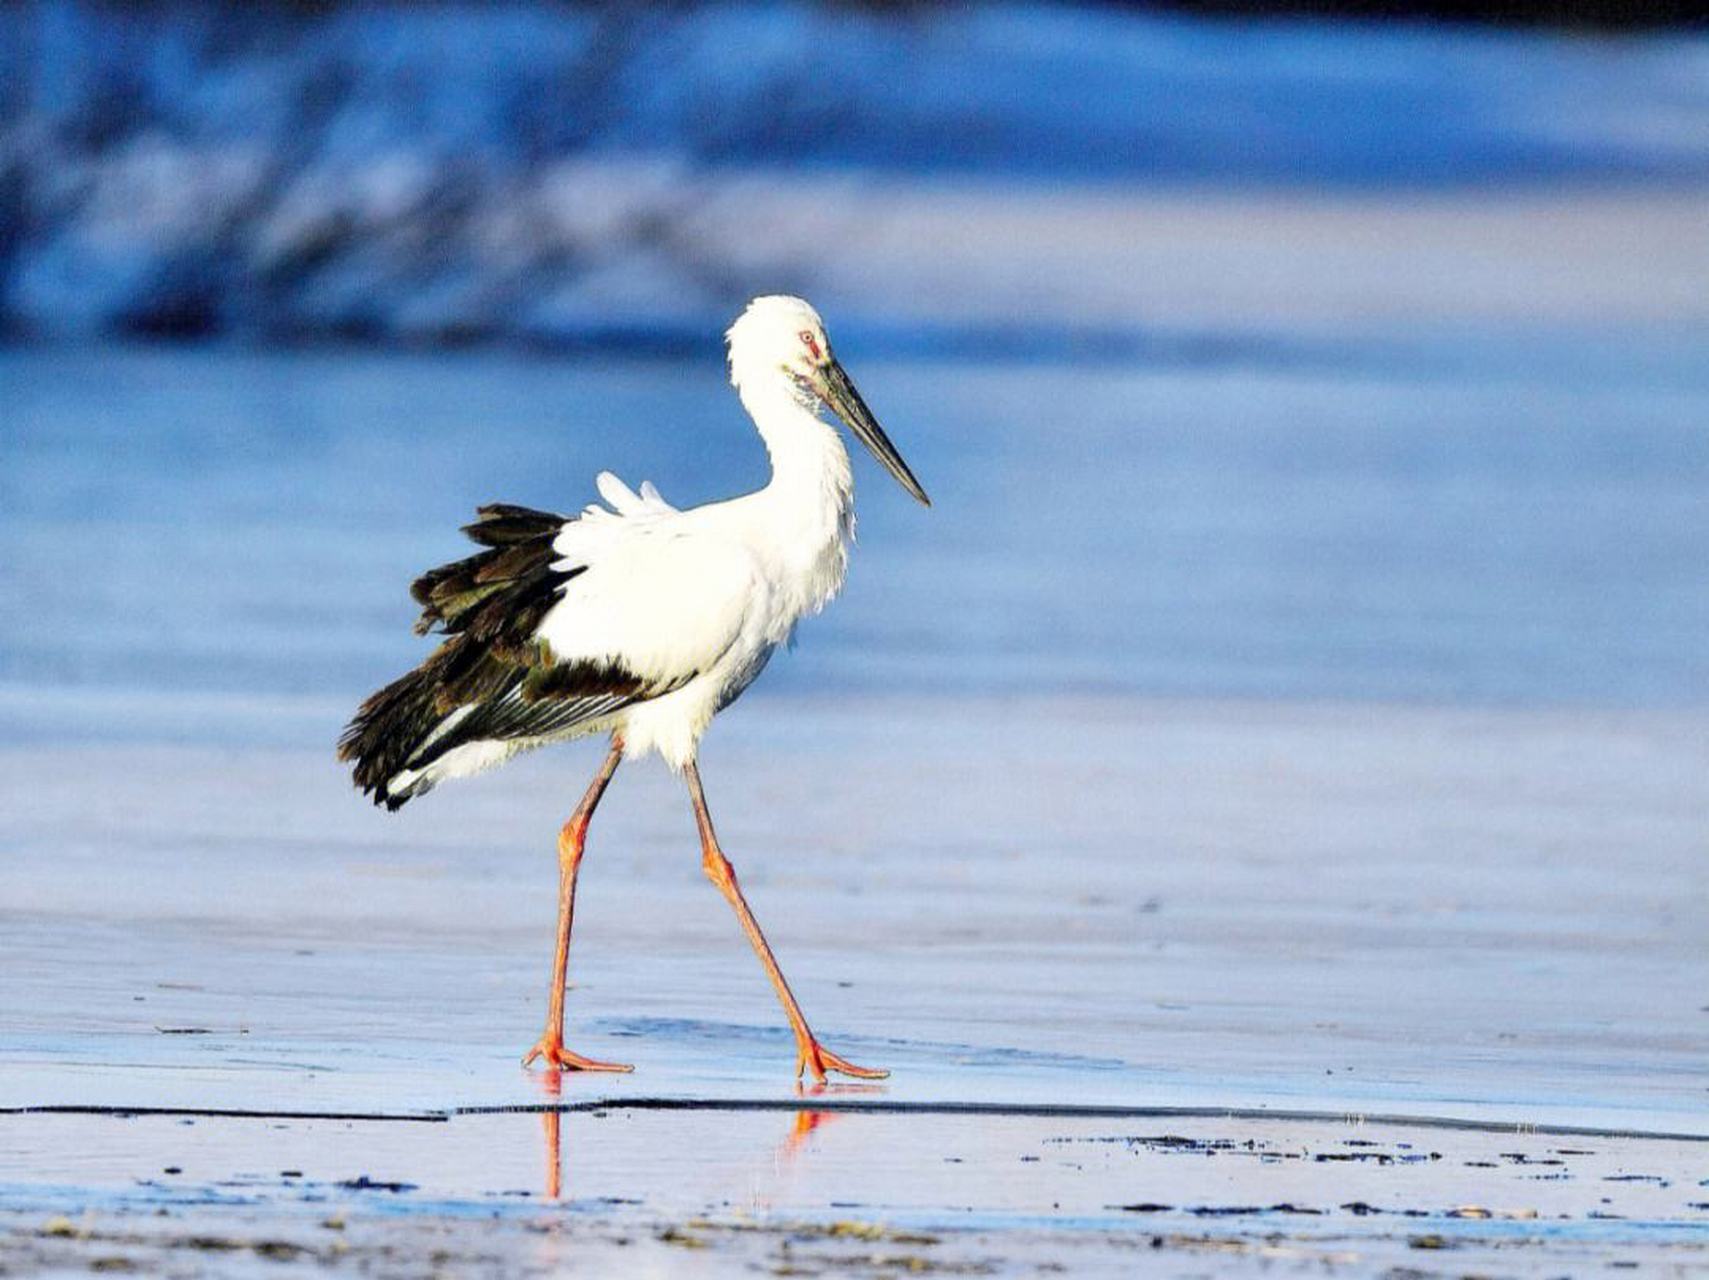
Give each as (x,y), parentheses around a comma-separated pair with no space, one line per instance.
(571,841)
(810,1055)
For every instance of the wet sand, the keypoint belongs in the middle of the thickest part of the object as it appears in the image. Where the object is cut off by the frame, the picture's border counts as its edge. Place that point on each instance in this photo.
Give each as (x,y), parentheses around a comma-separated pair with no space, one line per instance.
(825,1193)
(1190,957)
(1494,915)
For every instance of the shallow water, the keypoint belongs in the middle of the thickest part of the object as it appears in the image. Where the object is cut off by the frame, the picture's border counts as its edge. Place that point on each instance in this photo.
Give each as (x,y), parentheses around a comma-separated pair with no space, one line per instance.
(1442,522)
(815,1192)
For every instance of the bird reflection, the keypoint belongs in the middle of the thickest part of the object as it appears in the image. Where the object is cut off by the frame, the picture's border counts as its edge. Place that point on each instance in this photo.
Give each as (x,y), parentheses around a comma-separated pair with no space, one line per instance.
(807,1121)
(796,1140)
(803,1124)
(552,1120)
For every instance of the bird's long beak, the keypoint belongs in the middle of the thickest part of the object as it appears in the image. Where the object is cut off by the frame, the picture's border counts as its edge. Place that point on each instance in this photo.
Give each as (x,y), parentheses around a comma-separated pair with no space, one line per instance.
(845,402)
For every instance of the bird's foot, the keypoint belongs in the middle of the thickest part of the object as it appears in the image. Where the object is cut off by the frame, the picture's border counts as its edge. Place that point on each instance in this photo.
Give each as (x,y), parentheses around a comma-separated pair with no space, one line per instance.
(815,1057)
(551,1048)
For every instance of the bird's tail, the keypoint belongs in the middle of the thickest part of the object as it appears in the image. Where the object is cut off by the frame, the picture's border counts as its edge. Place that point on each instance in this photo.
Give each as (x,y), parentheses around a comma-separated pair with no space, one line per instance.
(489,606)
(387,731)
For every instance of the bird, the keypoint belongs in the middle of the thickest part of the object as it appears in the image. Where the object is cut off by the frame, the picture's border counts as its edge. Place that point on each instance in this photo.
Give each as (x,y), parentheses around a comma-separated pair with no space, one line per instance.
(639,621)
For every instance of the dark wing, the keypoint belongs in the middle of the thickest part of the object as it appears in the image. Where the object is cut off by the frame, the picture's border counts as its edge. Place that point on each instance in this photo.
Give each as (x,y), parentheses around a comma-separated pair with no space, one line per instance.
(502,591)
(491,679)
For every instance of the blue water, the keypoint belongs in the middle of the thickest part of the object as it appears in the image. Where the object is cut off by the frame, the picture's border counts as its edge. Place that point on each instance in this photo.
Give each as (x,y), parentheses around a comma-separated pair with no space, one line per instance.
(1054,91)
(1440,525)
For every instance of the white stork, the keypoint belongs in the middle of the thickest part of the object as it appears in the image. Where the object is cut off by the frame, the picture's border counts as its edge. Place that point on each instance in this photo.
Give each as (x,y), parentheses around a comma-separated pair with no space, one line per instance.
(640,621)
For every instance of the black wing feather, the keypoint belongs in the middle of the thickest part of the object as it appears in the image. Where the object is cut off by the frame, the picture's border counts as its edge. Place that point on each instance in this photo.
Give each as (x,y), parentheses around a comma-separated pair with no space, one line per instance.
(489,606)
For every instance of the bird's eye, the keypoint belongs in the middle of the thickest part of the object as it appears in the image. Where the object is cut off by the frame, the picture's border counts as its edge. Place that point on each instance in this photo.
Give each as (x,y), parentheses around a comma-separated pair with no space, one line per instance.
(810,342)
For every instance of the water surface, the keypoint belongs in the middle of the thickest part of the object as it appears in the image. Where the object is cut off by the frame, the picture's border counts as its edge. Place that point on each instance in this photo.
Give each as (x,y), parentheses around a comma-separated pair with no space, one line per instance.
(1445,524)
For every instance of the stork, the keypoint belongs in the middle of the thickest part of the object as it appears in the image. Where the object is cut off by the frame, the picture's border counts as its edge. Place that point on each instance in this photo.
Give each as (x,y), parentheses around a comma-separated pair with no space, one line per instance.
(638,621)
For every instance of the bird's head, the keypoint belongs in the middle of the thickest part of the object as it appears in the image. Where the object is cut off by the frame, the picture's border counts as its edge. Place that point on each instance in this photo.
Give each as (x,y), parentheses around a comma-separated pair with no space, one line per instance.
(780,337)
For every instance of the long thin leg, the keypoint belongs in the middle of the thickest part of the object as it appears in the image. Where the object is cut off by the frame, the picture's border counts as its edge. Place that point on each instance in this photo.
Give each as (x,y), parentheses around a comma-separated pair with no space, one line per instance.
(810,1055)
(572,839)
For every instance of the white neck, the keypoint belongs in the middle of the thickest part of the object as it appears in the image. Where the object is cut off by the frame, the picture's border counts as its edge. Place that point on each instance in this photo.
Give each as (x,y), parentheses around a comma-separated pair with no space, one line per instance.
(809,502)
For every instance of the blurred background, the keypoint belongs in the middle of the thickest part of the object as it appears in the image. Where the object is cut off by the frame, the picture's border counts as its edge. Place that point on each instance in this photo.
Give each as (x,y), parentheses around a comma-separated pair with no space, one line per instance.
(1313,350)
